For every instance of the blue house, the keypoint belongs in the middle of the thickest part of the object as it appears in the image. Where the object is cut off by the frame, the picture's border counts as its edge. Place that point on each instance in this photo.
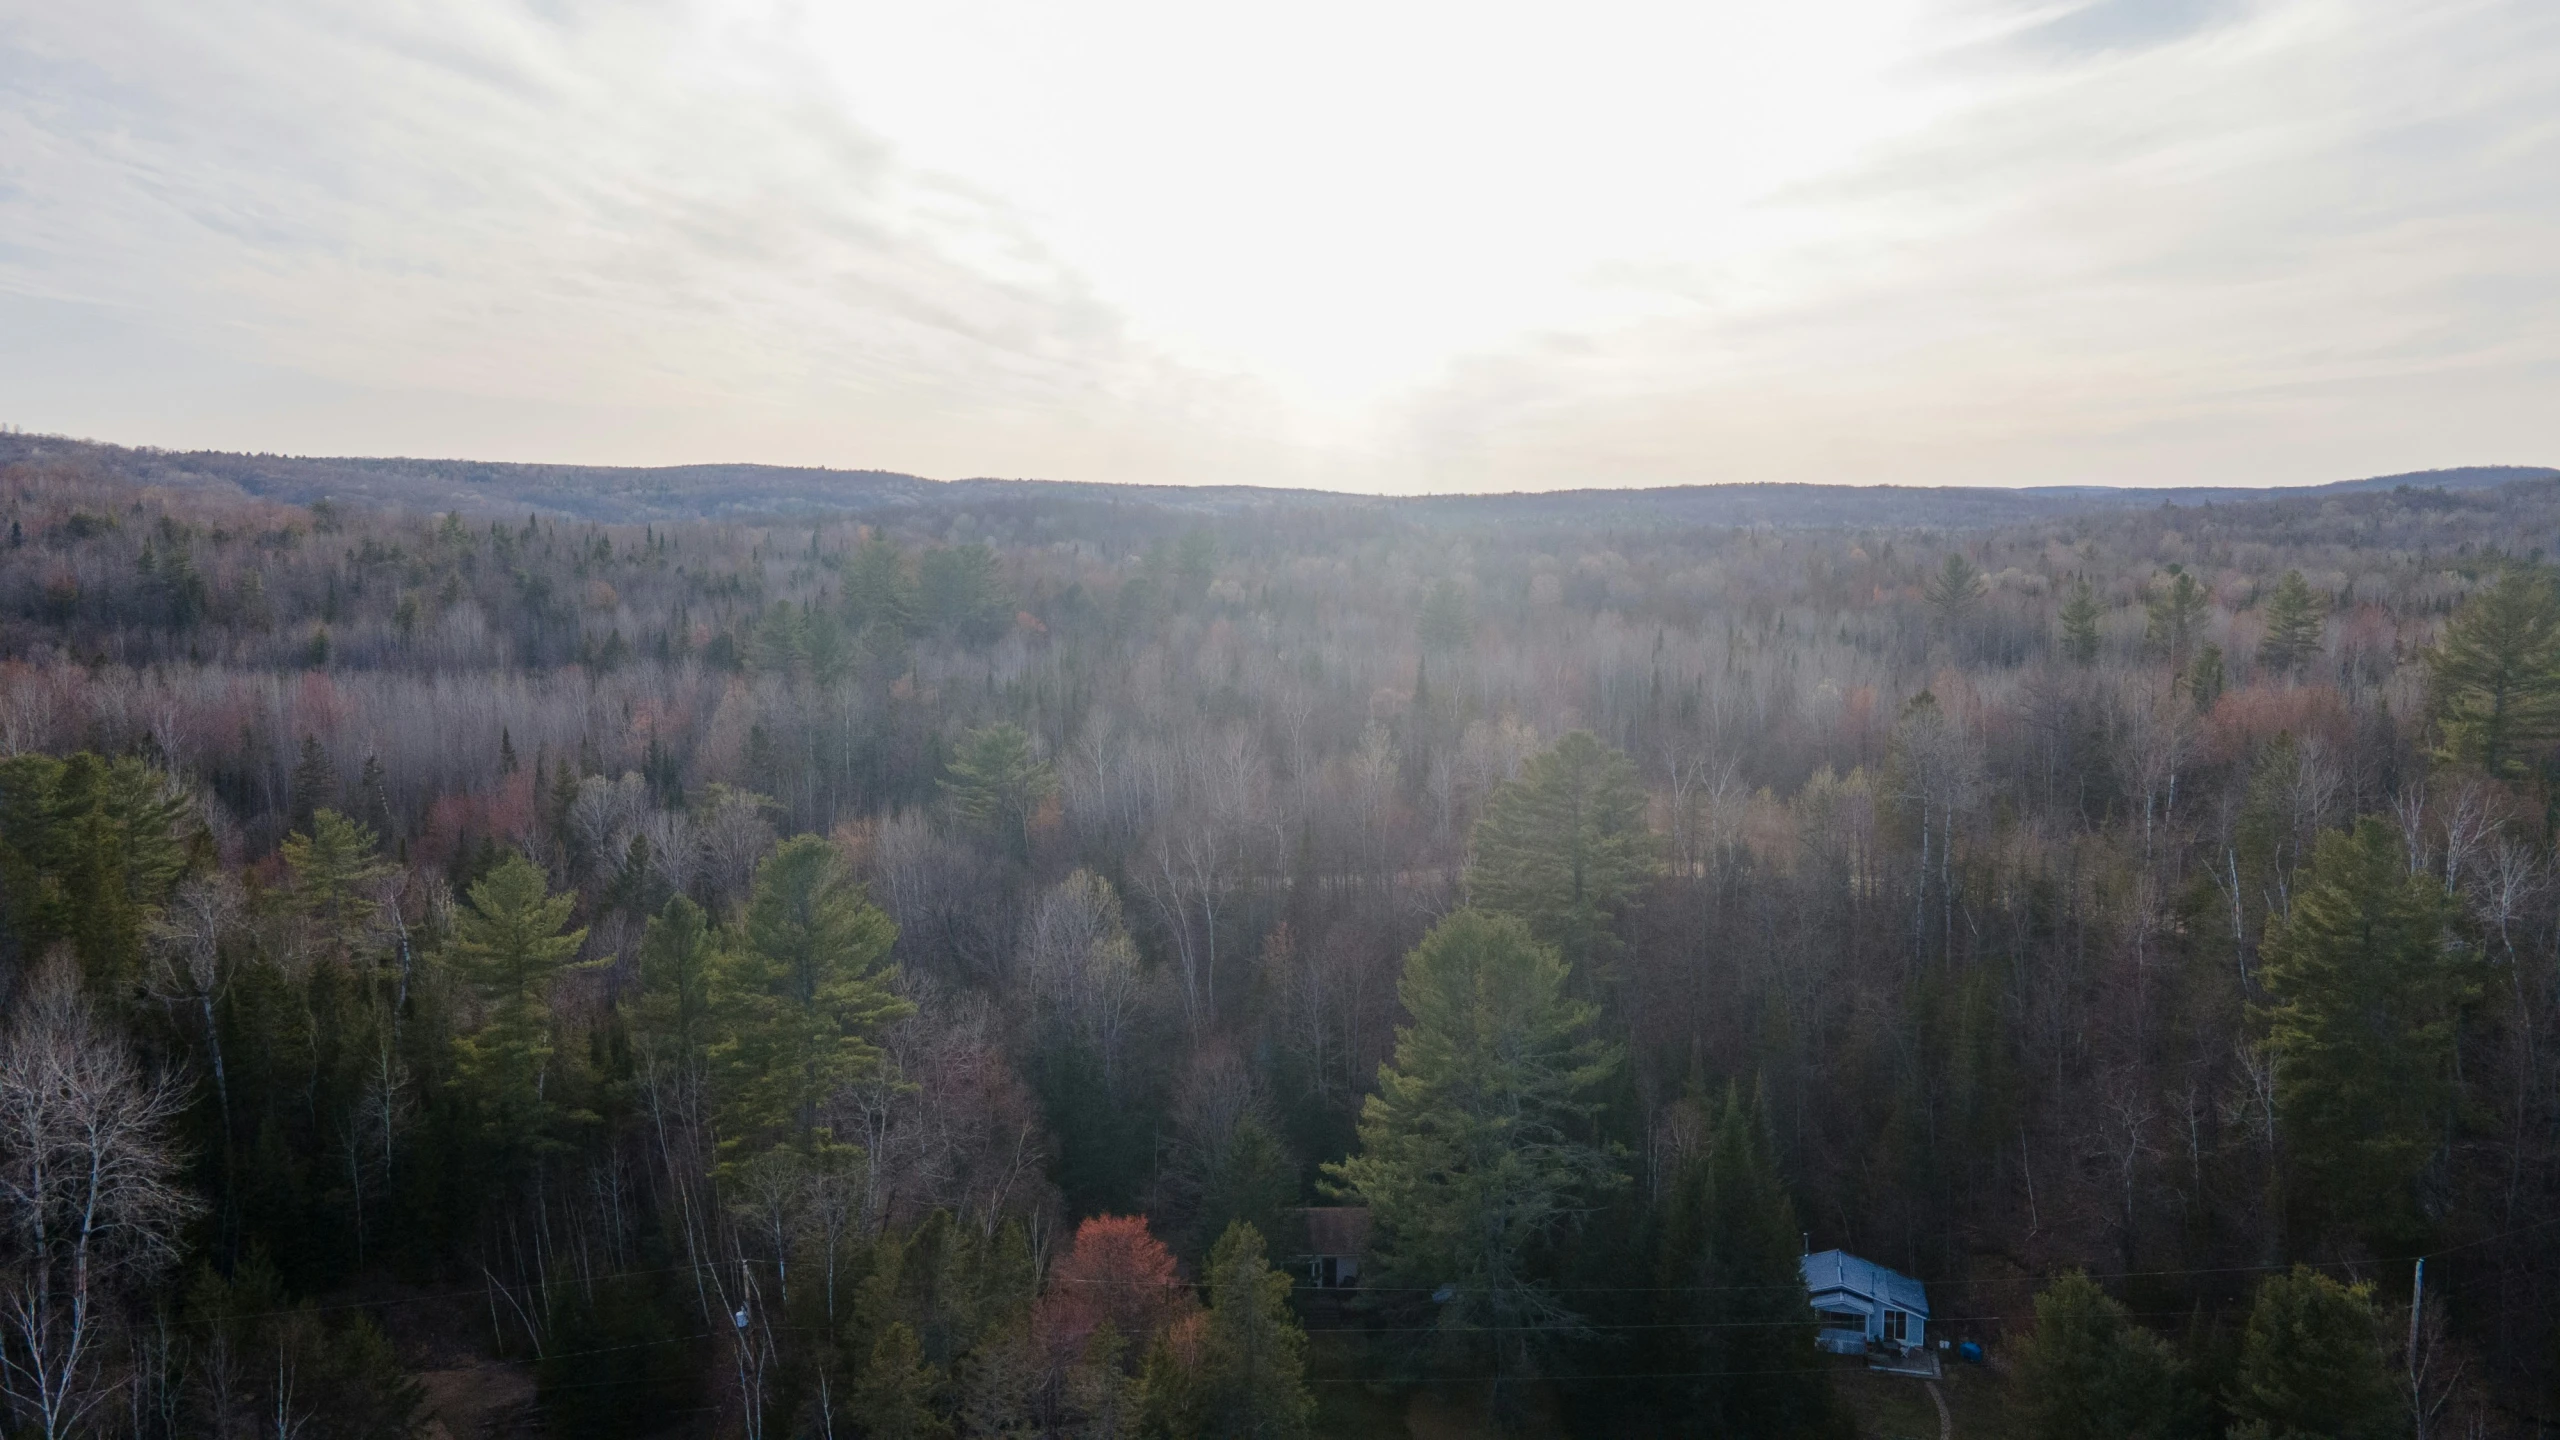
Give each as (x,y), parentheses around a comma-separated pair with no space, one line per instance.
(1864,1305)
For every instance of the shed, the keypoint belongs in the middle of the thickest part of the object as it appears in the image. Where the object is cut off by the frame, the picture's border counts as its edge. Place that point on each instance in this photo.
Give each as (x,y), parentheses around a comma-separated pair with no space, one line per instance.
(1336,1237)
(1862,1304)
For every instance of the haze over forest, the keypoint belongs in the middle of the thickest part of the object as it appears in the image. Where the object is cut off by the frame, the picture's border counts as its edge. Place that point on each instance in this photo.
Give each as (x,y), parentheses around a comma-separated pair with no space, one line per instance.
(741,720)
(560,951)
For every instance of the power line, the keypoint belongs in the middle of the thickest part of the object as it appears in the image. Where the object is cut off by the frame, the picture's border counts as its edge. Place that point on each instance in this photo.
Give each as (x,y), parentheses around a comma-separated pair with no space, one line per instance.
(1628,1375)
(1966,1283)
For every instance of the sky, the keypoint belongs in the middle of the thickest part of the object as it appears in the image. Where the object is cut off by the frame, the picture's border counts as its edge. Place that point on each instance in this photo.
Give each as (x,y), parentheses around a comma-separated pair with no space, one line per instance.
(1376,246)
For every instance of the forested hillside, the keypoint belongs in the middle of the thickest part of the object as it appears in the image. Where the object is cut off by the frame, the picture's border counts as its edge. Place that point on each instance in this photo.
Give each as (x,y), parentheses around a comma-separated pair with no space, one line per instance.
(1040,510)
(907,975)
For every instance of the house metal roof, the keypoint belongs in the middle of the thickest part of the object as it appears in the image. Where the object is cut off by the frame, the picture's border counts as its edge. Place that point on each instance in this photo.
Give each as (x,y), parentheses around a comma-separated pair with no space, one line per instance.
(1839,1270)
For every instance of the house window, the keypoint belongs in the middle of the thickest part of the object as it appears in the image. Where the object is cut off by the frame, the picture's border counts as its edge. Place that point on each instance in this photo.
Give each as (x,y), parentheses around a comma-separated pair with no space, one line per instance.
(1893,1326)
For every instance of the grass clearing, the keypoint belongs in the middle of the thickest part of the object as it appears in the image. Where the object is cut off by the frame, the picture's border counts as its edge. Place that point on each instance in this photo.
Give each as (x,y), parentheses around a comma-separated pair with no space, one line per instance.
(1897,1407)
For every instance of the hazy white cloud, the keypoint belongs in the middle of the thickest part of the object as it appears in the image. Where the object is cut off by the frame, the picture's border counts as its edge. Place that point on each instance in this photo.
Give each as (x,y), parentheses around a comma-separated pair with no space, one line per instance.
(1389,247)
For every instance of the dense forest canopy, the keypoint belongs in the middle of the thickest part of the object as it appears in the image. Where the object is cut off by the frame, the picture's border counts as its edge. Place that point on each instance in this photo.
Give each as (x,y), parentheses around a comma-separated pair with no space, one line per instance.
(909,974)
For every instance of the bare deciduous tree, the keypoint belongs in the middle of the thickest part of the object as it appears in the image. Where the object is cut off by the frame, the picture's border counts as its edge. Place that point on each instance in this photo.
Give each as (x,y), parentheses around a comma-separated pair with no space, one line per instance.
(1077,962)
(89,1199)
(604,816)
(734,835)
(947,1124)
(188,936)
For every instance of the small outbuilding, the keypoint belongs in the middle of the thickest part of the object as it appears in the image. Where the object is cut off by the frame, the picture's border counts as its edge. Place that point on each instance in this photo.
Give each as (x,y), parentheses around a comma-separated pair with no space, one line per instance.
(1336,1237)
(1865,1306)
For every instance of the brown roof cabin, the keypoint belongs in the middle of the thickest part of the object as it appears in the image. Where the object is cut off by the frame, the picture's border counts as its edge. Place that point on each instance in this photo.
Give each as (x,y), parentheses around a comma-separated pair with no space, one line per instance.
(1337,1235)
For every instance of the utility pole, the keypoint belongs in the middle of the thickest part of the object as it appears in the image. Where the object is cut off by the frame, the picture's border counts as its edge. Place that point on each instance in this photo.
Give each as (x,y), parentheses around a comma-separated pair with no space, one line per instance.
(2417,1303)
(2417,1308)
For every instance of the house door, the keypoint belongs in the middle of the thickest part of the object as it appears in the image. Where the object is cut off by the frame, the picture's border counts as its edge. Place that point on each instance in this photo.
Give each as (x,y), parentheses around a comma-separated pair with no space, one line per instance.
(1894,1326)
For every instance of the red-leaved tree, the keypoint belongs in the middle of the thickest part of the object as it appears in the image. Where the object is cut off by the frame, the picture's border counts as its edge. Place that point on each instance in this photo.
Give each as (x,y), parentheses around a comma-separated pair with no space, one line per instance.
(1119,1274)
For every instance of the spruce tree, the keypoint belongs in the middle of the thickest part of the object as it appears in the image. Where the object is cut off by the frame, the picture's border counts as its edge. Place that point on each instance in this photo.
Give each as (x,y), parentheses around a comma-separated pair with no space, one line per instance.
(1251,1381)
(1729,1268)
(894,1398)
(1244,1175)
(557,803)
(373,799)
(2495,675)
(1169,1392)
(315,782)
(2204,678)
(2294,619)
(677,955)
(2174,616)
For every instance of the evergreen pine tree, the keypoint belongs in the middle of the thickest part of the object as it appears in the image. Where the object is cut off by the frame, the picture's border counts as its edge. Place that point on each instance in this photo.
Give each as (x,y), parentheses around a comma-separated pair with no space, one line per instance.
(1252,1366)
(1954,590)
(2204,677)
(1447,622)
(2312,1365)
(894,1398)
(509,945)
(1476,1147)
(877,588)
(373,799)
(677,957)
(800,997)
(2294,619)
(1169,1390)
(2495,675)
(332,868)
(556,805)
(1729,1266)
(2089,1372)
(1564,847)
(960,594)
(2362,1004)
(1102,1396)
(315,782)
(781,645)
(89,849)
(2080,625)
(996,784)
(1195,562)
(1244,1176)
(2174,616)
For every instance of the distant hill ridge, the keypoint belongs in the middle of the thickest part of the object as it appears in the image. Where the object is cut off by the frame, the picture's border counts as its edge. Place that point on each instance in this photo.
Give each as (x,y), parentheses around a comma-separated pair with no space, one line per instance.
(633,494)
